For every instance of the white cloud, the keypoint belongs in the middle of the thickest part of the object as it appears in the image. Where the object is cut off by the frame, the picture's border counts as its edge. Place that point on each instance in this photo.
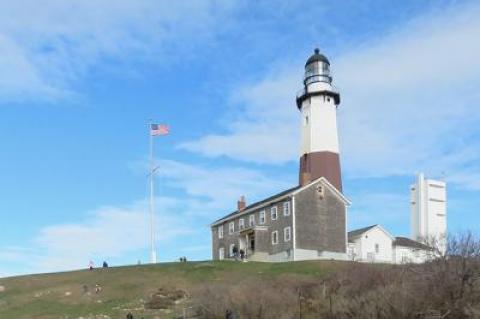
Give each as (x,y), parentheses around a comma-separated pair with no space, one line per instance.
(217,188)
(409,102)
(106,233)
(122,232)
(267,130)
(45,48)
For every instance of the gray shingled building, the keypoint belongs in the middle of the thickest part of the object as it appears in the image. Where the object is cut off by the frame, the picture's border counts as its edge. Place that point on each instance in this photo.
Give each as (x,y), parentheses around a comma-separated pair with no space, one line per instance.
(308,221)
(301,223)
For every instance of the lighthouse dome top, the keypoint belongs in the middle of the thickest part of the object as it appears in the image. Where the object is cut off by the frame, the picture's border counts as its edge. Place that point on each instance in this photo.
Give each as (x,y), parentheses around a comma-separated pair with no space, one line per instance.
(317,57)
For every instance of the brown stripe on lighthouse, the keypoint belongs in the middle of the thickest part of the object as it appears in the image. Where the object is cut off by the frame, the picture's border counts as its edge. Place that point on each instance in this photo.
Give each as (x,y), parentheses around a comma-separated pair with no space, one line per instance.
(321,164)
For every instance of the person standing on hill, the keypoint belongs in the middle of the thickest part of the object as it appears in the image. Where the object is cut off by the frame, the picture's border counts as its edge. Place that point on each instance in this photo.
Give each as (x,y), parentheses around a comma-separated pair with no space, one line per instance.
(242,254)
(90,265)
(235,252)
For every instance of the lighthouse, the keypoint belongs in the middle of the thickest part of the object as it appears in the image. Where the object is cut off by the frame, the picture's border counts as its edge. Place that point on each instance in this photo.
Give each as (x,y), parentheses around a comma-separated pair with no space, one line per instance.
(317,103)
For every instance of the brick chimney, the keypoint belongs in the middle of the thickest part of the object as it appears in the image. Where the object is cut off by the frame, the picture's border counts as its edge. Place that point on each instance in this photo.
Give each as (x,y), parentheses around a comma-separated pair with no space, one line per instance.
(241,204)
(305,178)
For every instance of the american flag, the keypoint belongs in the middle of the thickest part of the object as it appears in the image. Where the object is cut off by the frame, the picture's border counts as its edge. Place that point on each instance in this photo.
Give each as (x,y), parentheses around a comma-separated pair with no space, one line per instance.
(159,129)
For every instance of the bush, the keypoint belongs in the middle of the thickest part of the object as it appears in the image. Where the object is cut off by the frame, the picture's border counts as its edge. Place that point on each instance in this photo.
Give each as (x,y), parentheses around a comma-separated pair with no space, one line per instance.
(447,287)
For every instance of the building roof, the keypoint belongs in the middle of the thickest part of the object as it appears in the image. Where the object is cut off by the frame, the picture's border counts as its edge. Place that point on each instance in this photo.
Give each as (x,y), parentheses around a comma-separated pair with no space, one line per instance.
(358,232)
(317,56)
(407,242)
(259,203)
(290,191)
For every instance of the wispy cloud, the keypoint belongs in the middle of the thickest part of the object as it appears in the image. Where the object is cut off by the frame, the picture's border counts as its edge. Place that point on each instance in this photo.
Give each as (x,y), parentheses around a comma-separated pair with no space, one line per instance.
(122,232)
(45,48)
(106,233)
(266,130)
(217,188)
(410,102)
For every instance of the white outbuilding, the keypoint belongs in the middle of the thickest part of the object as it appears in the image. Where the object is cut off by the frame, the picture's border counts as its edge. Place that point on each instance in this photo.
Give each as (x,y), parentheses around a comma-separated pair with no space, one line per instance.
(376,245)
(370,244)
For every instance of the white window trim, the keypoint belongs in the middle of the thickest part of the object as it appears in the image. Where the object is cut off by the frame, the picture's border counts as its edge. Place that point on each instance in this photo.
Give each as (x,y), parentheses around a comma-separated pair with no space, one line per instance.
(274,209)
(241,223)
(251,220)
(275,236)
(289,231)
(262,213)
(220,232)
(286,209)
(231,228)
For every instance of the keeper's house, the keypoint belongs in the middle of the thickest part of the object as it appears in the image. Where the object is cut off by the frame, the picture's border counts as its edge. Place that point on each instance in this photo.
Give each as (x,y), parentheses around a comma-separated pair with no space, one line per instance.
(302,223)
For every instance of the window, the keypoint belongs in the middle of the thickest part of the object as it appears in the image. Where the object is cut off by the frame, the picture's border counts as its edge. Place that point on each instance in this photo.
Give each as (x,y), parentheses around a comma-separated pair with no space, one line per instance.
(261,219)
(273,213)
(274,237)
(231,228)
(220,231)
(231,250)
(287,234)
(377,248)
(221,253)
(251,220)
(286,209)
(241,223)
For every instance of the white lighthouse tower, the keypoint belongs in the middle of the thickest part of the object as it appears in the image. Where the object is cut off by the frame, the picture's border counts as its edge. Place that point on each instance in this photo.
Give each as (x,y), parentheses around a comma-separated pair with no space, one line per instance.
(318,102)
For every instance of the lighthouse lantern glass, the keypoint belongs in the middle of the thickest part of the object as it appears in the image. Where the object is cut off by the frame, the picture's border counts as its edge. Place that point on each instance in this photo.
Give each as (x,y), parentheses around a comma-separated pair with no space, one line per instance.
(318,71)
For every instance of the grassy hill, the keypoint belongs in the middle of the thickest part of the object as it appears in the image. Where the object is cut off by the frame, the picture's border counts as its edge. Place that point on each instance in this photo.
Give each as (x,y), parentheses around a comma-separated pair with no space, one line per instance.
(136,288)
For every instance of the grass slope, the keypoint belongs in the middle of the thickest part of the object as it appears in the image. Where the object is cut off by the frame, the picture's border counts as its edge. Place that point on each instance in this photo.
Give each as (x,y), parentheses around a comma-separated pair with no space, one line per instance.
(72,294)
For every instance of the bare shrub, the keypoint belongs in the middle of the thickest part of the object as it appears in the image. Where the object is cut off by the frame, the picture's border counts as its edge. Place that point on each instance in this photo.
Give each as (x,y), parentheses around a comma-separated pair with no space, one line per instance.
(445,287)
(279,297)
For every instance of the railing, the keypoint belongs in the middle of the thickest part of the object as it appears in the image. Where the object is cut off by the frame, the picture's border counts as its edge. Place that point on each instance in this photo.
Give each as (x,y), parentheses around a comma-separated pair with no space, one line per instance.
(304,91)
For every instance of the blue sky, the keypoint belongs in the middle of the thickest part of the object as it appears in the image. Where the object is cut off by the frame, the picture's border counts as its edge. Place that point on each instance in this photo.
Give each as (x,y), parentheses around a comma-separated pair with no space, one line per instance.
(80,79)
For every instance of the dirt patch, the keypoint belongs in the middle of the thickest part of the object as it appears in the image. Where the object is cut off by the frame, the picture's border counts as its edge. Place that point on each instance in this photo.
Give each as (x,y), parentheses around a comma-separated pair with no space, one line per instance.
(165,298)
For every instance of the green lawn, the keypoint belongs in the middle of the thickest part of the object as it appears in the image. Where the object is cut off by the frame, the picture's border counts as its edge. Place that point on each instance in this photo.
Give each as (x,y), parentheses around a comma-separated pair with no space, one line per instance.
(72,294)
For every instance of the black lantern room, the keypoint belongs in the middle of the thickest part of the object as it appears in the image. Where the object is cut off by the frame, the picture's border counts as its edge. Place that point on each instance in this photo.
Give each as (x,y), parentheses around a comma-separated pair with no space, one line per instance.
(317,69)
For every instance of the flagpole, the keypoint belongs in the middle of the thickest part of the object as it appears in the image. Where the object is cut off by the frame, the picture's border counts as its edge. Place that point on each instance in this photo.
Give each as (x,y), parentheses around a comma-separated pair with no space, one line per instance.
(153,253)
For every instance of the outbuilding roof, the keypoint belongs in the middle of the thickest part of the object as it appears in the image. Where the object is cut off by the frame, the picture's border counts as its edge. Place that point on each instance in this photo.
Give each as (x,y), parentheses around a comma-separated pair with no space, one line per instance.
(358,232)
(407,242)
